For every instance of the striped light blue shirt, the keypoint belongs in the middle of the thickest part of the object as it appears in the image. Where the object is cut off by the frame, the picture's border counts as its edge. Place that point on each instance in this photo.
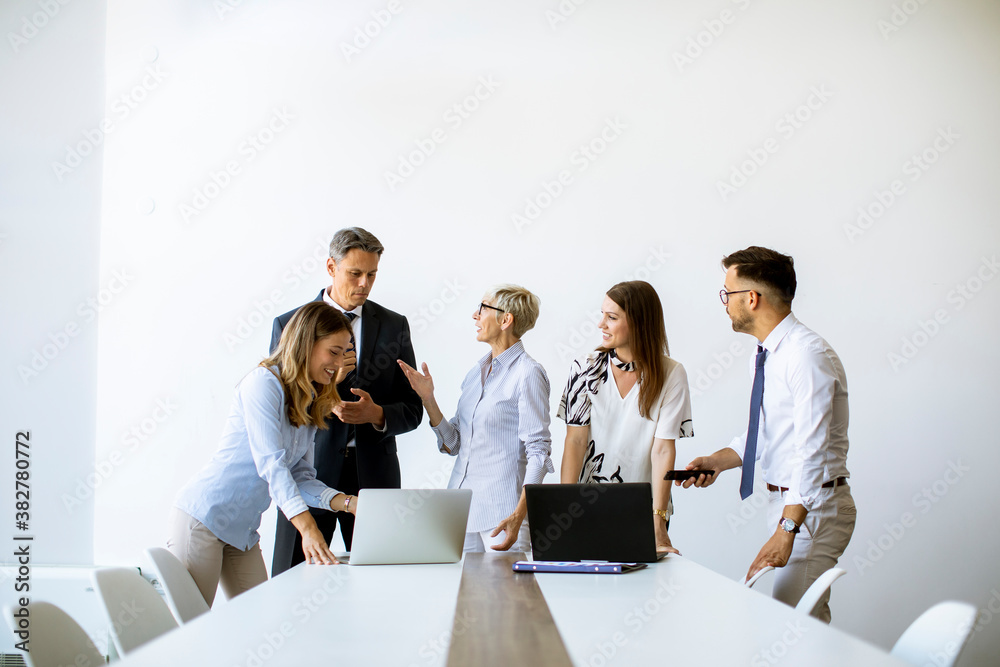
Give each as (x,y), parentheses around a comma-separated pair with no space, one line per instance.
(261,456)
(500,434)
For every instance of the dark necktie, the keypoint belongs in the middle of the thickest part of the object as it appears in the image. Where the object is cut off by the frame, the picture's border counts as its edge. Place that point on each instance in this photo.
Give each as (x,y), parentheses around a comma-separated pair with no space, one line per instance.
(344,388)
(756,397)
(349,380)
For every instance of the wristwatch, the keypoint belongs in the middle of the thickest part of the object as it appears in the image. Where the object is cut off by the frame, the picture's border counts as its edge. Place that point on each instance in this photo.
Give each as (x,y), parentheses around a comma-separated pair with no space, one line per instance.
(788,525)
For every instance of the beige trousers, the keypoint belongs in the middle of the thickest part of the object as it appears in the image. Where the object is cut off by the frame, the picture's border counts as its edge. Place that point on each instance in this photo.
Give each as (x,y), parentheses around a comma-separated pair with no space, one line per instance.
(210,560)
(821,541)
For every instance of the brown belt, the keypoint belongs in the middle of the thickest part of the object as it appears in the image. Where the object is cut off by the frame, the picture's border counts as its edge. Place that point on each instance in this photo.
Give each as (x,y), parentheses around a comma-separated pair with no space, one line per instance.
(840,481)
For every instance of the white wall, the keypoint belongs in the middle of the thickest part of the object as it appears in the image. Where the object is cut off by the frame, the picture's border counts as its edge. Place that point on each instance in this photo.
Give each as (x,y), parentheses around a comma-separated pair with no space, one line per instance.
(52,78)
(203,283)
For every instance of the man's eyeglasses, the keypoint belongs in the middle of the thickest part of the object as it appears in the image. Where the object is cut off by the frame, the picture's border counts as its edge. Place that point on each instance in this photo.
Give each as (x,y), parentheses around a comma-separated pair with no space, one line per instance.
(486,305)
(724,295)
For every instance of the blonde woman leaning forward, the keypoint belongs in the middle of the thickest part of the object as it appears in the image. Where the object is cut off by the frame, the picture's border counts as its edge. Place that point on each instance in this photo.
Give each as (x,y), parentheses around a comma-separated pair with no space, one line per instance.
(266,453)
(500,432)
(627,402)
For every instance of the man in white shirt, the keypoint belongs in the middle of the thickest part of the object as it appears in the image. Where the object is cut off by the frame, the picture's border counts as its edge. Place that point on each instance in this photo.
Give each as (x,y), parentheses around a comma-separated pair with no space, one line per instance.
(797,430)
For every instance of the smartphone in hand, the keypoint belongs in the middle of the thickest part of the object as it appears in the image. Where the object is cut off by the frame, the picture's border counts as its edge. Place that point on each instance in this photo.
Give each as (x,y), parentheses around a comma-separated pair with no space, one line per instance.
(687,474)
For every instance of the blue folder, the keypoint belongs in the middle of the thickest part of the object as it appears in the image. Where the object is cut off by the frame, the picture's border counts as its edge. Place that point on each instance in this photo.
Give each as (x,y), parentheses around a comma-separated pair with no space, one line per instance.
(576,566)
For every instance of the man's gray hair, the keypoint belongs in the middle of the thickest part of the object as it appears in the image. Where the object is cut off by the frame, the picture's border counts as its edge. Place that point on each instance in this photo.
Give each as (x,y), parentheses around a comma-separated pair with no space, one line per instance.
(517,301)
(350,238)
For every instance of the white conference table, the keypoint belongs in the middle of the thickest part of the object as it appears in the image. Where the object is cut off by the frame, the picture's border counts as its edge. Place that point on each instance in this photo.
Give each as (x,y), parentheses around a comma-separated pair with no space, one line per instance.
(678,612)
(675,612)
(335,615)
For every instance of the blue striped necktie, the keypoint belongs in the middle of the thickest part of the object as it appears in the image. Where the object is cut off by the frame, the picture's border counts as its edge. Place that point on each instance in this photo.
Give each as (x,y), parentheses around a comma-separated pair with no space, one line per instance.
(750,453)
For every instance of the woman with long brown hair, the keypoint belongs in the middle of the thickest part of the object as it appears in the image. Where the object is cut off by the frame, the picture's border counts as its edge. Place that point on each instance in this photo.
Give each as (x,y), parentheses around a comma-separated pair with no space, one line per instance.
(627,402)
(266,453)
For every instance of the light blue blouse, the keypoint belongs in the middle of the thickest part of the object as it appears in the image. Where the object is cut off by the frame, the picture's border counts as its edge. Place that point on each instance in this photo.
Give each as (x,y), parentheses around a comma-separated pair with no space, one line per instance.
(499,434)
(261,456)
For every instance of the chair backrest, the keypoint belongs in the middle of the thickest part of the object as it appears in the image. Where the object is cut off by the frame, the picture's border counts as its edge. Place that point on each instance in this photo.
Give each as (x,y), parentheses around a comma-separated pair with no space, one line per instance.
(183,597)
(761,572)
(810,599)
(938,636)
(55,639)
(134,609)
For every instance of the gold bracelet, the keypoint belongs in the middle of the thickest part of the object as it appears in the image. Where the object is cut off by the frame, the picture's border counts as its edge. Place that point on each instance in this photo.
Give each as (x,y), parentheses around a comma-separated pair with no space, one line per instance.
(347,504)
(662,513)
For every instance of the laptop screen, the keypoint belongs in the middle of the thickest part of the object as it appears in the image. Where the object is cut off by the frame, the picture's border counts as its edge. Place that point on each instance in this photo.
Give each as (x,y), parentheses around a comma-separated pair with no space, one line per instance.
(591,522)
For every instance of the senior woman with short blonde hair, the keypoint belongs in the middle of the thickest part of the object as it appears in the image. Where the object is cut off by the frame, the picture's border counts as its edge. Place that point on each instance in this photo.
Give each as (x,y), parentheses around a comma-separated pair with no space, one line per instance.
(500,431)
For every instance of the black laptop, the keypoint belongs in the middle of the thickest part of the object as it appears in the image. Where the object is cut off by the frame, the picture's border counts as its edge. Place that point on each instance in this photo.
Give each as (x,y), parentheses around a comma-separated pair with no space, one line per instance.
(610,522)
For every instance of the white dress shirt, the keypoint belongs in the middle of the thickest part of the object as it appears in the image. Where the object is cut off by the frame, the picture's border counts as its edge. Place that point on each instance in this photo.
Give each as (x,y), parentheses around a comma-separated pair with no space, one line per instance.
(356,332)
(355,324)
(802,442)
(500,434)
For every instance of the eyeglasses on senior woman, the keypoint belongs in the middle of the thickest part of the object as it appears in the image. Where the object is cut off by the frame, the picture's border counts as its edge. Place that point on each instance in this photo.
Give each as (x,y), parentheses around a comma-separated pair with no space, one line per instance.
(486,305)
(724,295)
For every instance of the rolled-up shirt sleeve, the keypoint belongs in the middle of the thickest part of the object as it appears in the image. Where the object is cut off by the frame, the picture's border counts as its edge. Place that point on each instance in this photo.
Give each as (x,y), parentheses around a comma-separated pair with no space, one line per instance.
(449,438)
(812,379)
(263,402)
(533,425)
(739,445)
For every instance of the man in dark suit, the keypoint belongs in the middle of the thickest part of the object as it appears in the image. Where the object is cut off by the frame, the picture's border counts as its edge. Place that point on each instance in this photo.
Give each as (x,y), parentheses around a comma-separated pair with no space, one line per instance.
(358,450)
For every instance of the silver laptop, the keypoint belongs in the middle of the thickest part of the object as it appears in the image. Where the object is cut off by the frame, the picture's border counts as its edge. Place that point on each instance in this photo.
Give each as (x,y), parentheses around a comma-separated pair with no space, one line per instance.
(396,526)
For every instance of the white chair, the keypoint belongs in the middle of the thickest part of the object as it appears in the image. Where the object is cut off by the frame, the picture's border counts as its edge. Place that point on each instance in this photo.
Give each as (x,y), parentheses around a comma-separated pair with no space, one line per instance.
(761,572)
(134,609)
(183,597)
(938,636)
(56,639)
(810,599)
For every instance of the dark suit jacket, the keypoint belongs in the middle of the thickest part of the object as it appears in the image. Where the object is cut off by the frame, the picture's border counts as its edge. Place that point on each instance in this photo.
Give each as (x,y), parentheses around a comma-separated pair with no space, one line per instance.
(385,337)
